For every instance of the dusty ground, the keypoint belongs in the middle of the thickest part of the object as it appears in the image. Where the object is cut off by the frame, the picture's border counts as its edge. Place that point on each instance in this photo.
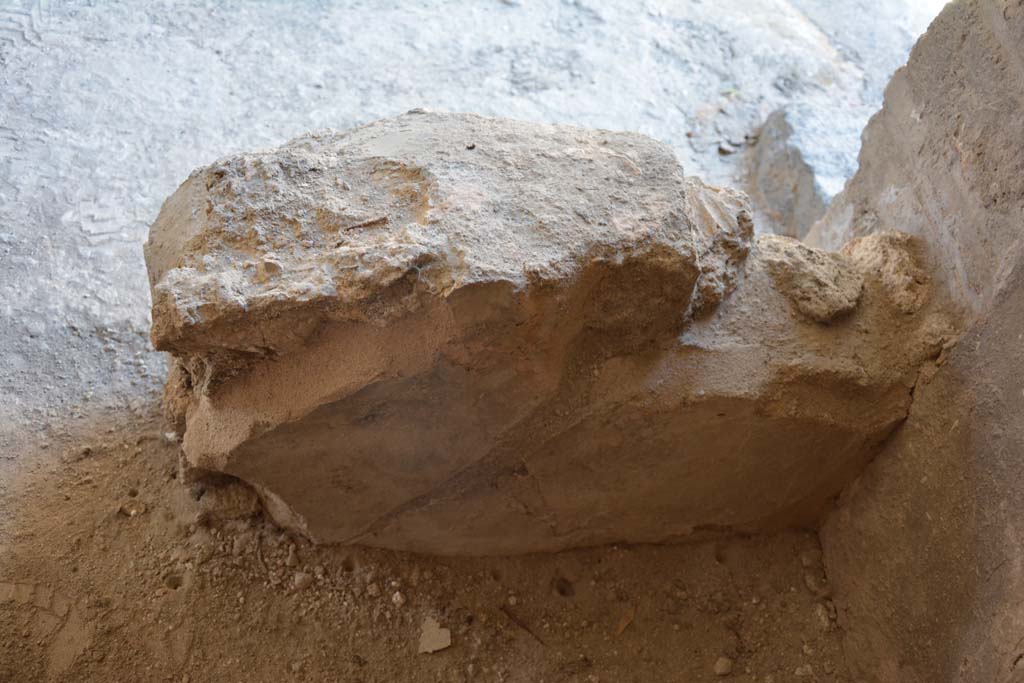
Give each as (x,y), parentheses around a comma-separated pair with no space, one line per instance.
(114,570)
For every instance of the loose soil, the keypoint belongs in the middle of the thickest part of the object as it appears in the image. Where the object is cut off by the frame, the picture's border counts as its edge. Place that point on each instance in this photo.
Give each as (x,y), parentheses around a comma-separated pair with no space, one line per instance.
(112,569)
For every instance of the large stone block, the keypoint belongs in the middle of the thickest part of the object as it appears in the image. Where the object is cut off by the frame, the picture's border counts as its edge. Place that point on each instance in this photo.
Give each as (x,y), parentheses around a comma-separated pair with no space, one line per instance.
(926,549)
(459,335)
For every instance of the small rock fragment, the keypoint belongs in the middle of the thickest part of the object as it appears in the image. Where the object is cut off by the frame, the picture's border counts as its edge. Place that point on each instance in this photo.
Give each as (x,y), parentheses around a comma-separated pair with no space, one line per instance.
(267,268)
(817,584)
(302,580)
(434,637)
(823,286)
(626,620)
(810,558)
(804,671)
(896,259)
(822,616)
(240,544)
(131,508)
(723,666)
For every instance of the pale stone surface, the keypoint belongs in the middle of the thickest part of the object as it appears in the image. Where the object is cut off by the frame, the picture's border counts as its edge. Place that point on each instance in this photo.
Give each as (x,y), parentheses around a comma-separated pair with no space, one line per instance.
(434,637)
(895,258)
(823,286)
(356,226)
(925,550)
(463,335)
(782,187)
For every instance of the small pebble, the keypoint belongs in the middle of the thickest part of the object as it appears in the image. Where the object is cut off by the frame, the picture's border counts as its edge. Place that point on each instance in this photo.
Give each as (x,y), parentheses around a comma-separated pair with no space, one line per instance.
(267,268)
(302,580)
(817,584)
(821,613)
(723,666)
(433,636)
(810,558)
(131,508)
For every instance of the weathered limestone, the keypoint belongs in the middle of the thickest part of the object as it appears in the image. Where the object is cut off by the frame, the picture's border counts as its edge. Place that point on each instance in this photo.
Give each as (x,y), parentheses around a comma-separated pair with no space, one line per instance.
(454,334)
(780,182)
(926,550)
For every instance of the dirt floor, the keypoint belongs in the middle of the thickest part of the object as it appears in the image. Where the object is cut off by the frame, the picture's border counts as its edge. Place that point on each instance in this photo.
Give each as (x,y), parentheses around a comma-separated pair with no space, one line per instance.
(117,571)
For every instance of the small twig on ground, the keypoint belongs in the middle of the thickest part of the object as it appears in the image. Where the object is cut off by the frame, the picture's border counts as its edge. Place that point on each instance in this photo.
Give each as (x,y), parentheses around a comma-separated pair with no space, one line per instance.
(521,624)
(259,552)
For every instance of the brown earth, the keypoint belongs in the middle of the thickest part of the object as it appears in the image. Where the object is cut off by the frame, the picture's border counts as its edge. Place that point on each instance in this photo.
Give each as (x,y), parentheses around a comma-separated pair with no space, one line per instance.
(116,572)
